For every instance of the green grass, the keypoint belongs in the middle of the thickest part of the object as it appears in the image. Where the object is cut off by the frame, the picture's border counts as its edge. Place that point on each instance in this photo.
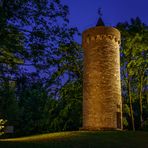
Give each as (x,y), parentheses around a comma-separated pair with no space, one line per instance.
(100,139)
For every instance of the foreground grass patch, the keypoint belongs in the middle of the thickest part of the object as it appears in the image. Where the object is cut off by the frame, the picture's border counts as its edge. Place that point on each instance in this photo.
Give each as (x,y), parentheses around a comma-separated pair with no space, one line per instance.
(80,140)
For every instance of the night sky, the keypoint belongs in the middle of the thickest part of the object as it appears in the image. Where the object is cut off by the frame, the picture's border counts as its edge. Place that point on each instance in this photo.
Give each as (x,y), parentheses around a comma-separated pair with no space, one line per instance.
(84,13)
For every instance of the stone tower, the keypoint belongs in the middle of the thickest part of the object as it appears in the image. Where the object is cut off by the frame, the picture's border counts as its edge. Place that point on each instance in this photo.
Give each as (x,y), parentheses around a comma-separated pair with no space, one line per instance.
(102,104)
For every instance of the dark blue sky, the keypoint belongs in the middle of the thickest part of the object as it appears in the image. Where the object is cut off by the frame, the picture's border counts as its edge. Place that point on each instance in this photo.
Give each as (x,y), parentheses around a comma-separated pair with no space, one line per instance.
(83,13)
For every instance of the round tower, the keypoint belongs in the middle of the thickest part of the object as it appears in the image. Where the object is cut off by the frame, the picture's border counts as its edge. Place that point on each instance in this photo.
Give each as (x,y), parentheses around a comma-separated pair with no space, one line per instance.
(102,104)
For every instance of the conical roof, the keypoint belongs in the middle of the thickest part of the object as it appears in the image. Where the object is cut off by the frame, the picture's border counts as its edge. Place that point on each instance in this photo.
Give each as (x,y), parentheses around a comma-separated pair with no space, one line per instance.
(100,22)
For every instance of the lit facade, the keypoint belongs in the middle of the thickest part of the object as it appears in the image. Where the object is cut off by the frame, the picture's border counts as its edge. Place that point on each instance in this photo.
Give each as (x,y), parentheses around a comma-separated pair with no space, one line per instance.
(102,104)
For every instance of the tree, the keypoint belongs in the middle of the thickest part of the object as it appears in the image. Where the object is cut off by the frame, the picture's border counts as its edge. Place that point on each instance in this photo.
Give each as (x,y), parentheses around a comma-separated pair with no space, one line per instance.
(9,110)
(70,104)
(36,35)
(43,26)
(34,106)
(134,63)
(11,43)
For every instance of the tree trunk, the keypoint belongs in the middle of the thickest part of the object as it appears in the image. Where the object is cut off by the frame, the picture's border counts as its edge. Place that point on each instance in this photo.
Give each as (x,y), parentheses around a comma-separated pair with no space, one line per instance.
(131,107)
(140,101)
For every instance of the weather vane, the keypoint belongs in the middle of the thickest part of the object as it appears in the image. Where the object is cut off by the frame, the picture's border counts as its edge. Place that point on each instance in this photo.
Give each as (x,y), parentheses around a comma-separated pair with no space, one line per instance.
(100,12)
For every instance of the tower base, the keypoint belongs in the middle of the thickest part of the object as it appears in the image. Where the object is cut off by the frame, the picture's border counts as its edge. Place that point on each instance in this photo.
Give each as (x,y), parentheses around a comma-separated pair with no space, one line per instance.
(99,129)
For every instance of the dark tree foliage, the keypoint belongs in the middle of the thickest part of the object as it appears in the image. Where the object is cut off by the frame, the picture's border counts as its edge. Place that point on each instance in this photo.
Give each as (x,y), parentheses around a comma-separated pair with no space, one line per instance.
(69,107)
(134,72)
(9,108)
(40,112)
(34,105)
(37,33)
(37,51)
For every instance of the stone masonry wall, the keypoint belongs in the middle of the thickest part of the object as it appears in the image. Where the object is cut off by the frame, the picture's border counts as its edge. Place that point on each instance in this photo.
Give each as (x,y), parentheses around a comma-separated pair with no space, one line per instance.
(102,105)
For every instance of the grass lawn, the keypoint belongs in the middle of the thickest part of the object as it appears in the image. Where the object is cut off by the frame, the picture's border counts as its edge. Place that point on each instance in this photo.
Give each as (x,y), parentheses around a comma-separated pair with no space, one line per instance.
(80,139)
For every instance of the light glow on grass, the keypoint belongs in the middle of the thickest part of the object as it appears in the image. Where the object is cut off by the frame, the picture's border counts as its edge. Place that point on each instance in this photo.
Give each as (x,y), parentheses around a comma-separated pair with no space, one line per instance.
(45,137)
(80,139)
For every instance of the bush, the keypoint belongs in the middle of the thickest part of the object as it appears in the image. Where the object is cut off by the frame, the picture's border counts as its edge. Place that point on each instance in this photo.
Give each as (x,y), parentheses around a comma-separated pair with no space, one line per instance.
(125,122)
(145,125)
(2,123)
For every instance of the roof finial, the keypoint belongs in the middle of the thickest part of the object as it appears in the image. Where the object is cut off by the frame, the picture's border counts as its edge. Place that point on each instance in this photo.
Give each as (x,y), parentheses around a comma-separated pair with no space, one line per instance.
(100,21)
(100,12)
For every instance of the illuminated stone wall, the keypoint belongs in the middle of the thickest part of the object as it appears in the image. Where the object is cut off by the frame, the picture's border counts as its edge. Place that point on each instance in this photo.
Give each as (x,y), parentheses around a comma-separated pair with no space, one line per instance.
(102,104)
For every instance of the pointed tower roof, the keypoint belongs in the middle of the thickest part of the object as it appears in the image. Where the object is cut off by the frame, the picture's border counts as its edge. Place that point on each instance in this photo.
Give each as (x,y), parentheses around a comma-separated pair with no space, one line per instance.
(100,22)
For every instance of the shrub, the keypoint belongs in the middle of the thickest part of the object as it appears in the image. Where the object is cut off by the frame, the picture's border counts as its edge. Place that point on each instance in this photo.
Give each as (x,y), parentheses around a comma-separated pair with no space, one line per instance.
(125,122)
(145,125)
(2,123)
